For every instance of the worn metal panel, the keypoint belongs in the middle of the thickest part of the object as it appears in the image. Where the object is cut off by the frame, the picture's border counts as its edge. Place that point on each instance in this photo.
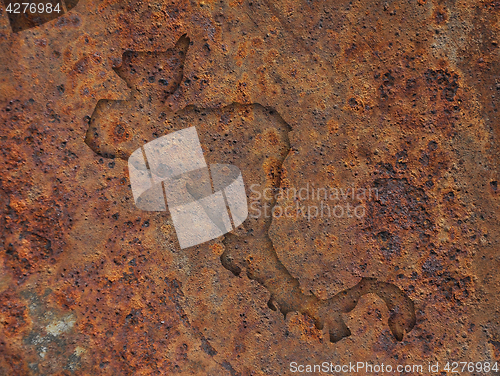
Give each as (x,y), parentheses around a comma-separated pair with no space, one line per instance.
(397,97)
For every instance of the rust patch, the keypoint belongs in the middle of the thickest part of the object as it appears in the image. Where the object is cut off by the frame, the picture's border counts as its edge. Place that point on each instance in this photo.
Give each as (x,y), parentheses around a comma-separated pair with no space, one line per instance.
(402,95)
(251,248)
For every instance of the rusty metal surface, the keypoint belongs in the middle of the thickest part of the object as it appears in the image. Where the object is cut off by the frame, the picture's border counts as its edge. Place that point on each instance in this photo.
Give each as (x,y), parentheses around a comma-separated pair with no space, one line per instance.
(396,96)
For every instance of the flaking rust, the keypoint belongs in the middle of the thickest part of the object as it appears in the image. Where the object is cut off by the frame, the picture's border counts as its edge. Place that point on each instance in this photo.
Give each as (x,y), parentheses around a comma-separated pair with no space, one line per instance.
(401,97)
(155,76)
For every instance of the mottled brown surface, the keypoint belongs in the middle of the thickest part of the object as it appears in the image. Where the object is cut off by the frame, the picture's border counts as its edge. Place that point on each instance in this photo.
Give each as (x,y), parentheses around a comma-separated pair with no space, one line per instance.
(399,96)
